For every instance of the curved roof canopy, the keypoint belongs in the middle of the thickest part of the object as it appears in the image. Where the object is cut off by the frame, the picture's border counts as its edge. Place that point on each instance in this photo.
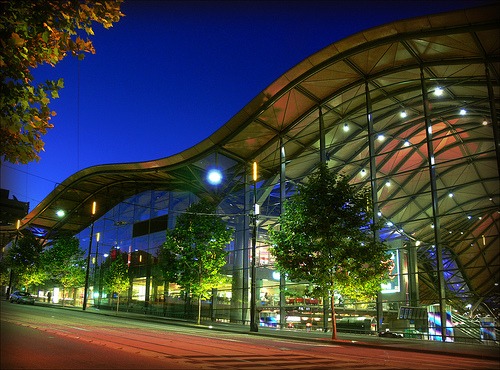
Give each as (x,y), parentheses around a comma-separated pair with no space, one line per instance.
(343,105)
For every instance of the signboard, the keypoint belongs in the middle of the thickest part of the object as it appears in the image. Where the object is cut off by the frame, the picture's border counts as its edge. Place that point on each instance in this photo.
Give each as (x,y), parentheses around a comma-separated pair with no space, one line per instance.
(393,285)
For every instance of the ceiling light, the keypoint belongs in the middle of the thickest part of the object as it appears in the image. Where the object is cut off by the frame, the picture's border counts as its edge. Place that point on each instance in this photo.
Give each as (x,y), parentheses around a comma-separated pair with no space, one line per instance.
(380,137)
(463,112)
(450,195)
(214,177)
(363,172)
(346,127)
(60,213)
(438,91)
(407,143)
(403,114)
(485,122)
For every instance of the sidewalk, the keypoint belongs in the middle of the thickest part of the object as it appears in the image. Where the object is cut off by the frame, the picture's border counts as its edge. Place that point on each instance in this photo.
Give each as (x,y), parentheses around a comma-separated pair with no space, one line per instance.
(404,344)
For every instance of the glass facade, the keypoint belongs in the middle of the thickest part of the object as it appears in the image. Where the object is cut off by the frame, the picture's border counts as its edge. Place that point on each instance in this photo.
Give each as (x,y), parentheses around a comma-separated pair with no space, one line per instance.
(432,174)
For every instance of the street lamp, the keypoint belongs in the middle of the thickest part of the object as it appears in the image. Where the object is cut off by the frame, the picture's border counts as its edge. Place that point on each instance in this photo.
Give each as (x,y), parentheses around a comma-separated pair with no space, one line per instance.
(254,326)
(97,238)
(85,293)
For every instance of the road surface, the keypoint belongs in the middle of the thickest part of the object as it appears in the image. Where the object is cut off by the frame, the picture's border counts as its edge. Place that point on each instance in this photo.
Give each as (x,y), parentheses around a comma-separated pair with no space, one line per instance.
(41,337)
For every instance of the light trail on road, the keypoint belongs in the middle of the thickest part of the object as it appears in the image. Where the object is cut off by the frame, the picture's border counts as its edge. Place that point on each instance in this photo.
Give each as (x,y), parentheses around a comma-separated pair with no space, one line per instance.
(184,347)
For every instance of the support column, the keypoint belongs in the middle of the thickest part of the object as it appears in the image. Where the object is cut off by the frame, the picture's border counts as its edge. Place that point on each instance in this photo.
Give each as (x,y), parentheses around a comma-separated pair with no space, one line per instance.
(247,251)
(414,300)
(282,200)
(373,185)
(435,209)
(322,158)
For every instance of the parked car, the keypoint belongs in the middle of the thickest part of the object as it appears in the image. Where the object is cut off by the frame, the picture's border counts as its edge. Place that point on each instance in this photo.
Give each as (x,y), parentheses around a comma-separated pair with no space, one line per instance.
(22,297)
(390,334)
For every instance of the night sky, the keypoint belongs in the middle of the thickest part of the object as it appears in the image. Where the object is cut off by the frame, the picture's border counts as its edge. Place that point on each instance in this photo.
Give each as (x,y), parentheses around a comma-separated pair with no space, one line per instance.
(169,74)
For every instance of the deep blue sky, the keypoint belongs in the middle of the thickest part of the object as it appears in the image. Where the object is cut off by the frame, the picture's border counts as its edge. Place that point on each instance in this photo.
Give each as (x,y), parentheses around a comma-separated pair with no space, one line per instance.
(169,74)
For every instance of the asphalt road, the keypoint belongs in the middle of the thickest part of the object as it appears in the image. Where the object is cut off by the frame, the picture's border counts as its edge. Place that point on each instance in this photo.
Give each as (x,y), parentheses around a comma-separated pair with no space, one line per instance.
(41,337)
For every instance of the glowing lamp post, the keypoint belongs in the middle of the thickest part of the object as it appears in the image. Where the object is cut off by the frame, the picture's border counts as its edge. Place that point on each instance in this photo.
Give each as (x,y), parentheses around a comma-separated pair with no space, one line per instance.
(85,293)
(254,326)
(9,289)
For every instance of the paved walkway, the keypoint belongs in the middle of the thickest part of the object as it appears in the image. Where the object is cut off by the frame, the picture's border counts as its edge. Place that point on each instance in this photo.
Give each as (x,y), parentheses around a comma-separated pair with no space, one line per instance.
(491,350)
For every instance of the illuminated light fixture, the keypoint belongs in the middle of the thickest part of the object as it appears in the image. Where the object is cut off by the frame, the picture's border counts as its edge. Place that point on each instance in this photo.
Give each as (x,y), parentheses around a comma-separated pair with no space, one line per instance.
(363,172)
(450,195)
(380,137)
(407,143)
(438,91)
(346,127)
(387,183)
(390,224)
(94,207)
(469,217)
(379,214)
(60,213)
(403,114)
(463,112)
(254,171)
(418,242)
(485,122)
(432,225)
(214,177)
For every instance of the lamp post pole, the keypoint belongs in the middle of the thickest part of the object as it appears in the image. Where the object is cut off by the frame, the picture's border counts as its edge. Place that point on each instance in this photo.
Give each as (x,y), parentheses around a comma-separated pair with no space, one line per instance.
(254,327)
(85,293)
(97,237)
(9,289)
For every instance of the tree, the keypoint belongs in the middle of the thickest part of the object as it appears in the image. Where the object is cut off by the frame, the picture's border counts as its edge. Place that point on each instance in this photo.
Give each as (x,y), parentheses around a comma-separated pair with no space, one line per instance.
(33,33)
(64,263)
(116,278)
(167,266)
(195,250)
(24,260)
(326,237)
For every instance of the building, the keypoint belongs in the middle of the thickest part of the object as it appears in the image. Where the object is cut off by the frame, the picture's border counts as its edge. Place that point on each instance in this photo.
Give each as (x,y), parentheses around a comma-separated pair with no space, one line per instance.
(409,108)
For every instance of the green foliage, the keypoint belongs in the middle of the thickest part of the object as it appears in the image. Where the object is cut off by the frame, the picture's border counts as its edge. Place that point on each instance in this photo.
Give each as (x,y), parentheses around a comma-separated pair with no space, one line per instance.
(64,262)
(195,250)
(116,278)
(24,258)
(33,33)
(326,238)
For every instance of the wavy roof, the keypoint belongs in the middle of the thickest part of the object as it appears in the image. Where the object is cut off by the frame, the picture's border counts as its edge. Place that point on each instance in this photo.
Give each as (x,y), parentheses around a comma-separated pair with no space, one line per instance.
(381,72)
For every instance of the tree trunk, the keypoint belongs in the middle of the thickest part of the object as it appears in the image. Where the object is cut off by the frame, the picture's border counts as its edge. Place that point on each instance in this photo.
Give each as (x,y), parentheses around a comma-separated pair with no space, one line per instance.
(199,310)
(117,303)
(334,322)
(165,295)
